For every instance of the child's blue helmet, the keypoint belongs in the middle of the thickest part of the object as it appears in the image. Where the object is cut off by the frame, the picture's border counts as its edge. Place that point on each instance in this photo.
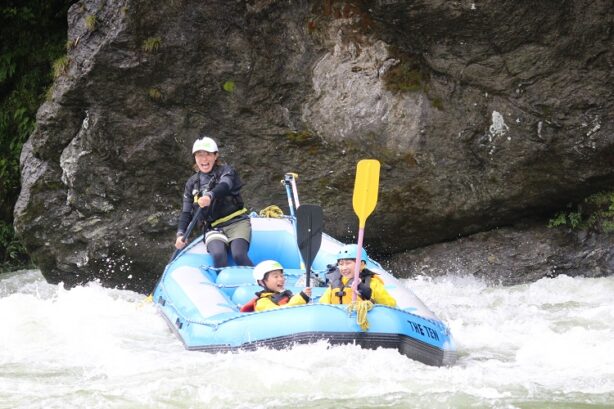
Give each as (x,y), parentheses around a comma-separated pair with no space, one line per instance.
(349,252)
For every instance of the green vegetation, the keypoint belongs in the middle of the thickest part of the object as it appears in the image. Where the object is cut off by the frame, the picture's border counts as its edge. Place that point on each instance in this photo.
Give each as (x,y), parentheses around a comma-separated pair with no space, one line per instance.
(90,22)
(152,44)
(571,219)
(411,75)
(32,37)
(12,253)
(155,94)
(60,66)
(229,86)
(404,78)
(596,213)
(302,138)
(437,103)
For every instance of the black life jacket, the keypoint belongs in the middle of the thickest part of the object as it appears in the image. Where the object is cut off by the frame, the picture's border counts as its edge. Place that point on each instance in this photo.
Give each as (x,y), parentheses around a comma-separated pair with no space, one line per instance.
(220,206)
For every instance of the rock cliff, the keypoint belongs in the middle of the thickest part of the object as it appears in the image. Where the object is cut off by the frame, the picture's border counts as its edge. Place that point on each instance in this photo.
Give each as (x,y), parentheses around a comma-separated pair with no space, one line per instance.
(483,114)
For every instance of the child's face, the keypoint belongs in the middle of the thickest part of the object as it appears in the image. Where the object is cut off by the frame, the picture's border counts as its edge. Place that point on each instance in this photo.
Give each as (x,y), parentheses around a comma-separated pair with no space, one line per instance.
(205,160)
(347,266)
(275,280)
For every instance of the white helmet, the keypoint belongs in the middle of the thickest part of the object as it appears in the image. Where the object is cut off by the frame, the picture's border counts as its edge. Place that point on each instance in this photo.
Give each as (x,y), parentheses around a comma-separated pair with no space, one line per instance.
(264,267)
(204,144)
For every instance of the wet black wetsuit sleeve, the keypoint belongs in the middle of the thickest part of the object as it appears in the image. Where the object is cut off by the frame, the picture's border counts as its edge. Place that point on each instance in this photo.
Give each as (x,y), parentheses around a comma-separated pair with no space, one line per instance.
(186,207)
(221,189)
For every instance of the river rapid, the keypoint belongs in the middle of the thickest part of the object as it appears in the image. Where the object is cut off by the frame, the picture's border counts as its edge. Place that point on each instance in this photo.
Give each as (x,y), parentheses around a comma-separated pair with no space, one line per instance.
(548,344)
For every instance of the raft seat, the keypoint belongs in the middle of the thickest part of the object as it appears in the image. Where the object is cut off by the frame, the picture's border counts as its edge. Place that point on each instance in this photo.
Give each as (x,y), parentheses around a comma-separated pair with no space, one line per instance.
(245,293)
(280,245)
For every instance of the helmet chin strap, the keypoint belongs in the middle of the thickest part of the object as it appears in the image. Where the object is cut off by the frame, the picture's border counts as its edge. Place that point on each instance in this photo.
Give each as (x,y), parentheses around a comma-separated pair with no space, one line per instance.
(263,285)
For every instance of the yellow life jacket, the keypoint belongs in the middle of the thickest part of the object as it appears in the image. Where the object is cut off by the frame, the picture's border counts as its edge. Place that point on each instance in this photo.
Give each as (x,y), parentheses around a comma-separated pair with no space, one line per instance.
(341,293)
(278,298)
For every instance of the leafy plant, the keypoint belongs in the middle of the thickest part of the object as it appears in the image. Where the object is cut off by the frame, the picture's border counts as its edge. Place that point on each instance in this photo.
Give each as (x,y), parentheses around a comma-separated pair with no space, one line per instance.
(302,138)
(7,67)
(560,219)
(603,205)
(90,22)
(152,44)
(155,94)
(32,36)
(60,66)
(596,212)
(404,78)
(229,86)
(12,252)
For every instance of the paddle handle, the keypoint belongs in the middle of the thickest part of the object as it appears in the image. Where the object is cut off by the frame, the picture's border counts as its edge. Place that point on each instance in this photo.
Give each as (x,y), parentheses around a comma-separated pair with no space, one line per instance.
(308,260)
(361,236)
(308,271)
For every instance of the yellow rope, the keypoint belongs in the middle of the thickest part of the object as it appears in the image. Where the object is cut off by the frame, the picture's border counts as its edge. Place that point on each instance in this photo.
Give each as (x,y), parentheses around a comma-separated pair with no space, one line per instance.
(271,211)
(361,308)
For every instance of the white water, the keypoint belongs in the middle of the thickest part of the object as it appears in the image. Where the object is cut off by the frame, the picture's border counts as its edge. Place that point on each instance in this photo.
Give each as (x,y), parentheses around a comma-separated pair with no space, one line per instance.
(549,344)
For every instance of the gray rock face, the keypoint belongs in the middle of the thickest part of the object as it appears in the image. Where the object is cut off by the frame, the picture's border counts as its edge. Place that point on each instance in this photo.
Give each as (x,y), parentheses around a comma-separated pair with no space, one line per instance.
(482,114)
(512,256)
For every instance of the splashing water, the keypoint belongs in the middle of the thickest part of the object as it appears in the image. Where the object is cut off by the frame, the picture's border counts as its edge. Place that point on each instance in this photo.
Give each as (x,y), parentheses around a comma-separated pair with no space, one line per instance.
(541,345)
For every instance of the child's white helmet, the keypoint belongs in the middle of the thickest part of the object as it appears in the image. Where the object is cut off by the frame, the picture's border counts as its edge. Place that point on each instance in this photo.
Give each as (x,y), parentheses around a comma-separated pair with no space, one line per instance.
(264,267)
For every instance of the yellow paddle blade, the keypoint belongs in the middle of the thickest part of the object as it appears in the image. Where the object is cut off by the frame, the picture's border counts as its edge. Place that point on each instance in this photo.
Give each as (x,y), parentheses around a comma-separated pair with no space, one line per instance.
(365,189)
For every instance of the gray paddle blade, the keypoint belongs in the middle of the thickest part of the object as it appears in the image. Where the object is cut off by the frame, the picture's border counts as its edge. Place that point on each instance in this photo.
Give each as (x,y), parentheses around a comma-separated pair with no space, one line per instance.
(309,221)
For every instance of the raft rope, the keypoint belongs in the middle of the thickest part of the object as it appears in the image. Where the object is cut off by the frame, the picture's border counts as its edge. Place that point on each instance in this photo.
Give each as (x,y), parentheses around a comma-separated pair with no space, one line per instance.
(361,308)
(361,316)
(272,211)
(214,325)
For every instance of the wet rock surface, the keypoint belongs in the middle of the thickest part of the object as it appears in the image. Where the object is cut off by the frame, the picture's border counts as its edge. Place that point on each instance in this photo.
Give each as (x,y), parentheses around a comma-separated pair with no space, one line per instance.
(482,114)
(512,256)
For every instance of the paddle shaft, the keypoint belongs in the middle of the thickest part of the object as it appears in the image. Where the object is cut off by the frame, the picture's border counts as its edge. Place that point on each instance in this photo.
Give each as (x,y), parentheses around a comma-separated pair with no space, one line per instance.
(187,233)
(361,235)
(289,182)
(290,200)
(295,192)
(177,251)
(308,267)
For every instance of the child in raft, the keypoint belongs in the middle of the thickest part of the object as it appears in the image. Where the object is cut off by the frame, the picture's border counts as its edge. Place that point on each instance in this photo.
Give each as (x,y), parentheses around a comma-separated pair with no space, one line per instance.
(269,274)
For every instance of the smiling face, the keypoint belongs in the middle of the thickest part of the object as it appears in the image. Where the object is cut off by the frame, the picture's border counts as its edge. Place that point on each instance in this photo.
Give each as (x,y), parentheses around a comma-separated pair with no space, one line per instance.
(275,280)
(347,266)
(205,160)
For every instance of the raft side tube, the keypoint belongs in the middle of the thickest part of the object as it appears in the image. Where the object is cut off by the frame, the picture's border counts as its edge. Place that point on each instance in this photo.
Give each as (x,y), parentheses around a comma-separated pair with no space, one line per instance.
(423,340)
(407,346)
(201,297)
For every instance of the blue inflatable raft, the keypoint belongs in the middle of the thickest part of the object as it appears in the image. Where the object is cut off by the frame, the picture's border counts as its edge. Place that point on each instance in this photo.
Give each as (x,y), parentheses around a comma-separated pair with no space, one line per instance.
(201,303)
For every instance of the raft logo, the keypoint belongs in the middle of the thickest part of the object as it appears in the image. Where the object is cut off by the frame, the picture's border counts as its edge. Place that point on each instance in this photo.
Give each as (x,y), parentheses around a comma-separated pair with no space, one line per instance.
(423,330)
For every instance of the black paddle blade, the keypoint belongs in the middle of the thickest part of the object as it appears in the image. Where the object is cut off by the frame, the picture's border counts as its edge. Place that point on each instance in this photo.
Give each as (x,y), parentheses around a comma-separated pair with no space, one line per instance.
(309,221)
